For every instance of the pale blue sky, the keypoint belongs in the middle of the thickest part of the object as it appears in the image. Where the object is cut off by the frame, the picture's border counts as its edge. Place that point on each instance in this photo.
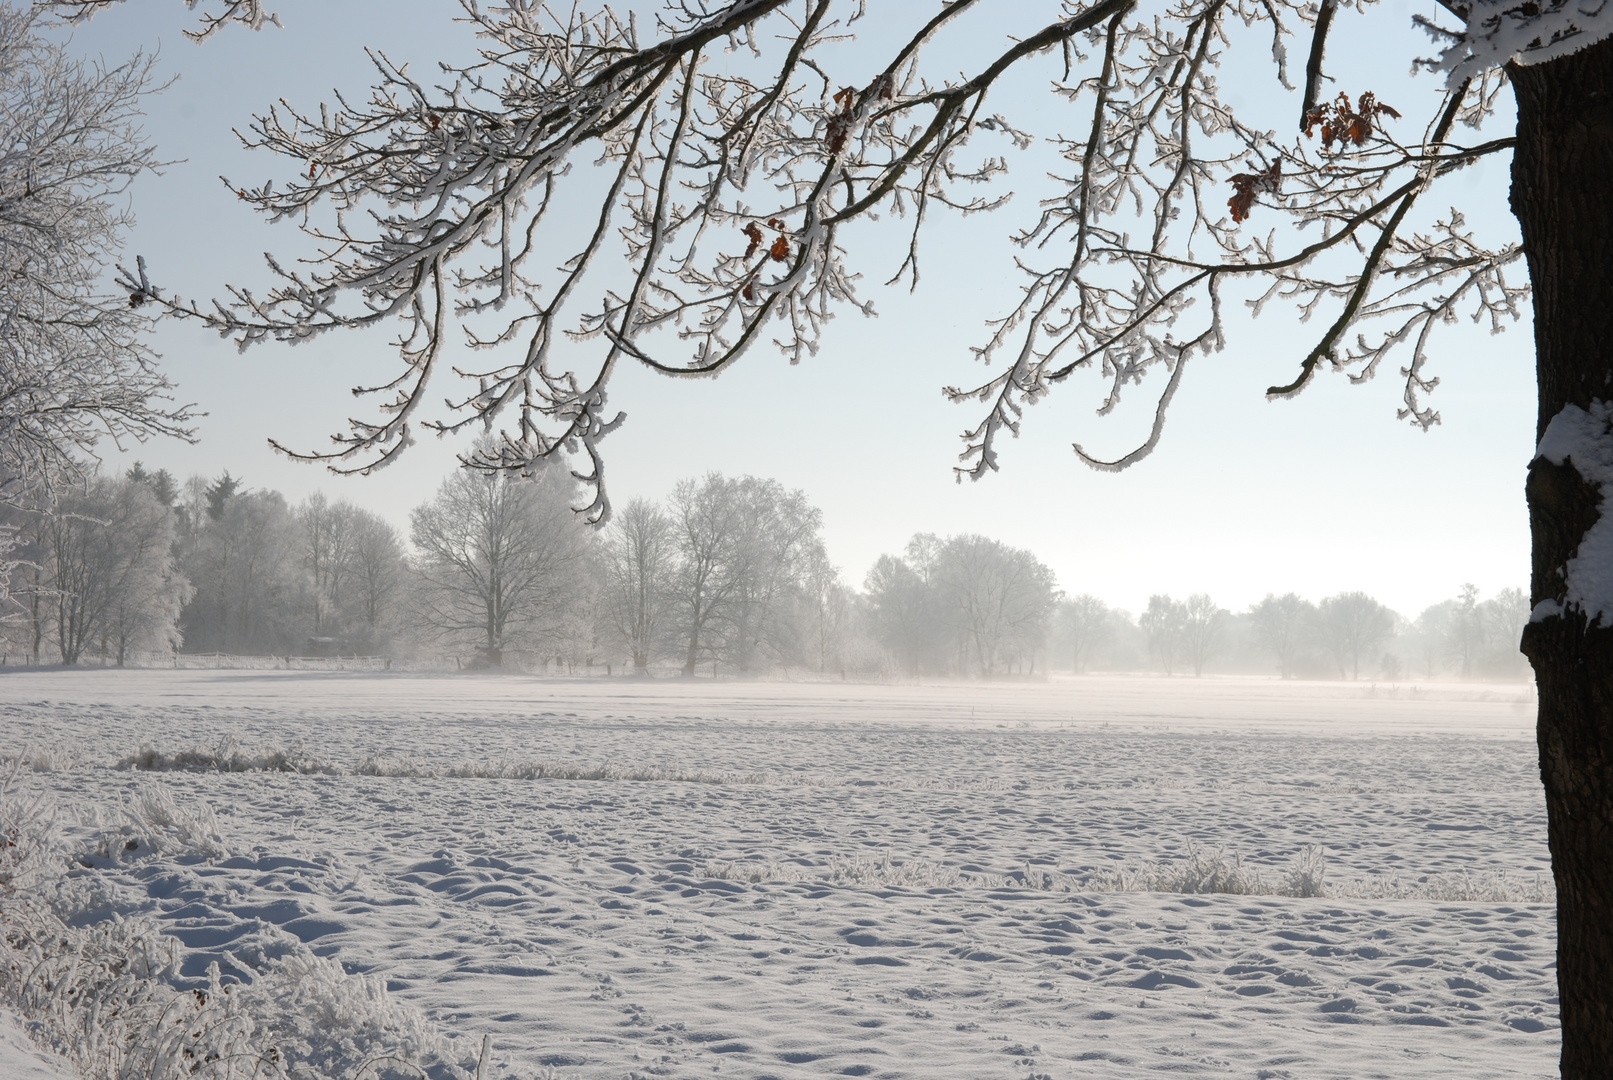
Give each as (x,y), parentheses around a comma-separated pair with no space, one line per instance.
(1245,496)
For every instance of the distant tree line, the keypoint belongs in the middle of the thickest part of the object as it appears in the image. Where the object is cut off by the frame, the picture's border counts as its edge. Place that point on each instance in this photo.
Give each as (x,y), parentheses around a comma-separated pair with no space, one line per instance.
(495,570)
(727,575)
(1349,635)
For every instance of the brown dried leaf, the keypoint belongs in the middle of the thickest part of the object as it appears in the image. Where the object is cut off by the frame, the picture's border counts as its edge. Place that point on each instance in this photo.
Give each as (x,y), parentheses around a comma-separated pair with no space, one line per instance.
(1343,123)
(1247,185)
(839,126)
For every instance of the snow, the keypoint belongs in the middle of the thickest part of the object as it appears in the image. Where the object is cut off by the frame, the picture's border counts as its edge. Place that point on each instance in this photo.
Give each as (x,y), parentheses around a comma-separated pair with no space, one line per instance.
(1585,439)
(20,1059)
(641,878)
(1506,31)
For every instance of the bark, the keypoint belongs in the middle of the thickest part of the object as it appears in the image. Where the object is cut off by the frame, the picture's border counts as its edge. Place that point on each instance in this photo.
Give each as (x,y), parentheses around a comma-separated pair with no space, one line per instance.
(694,647)
(1560,194)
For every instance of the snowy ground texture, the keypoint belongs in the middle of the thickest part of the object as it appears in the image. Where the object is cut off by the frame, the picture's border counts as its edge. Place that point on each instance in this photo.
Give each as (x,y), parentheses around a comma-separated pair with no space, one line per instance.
(617,879)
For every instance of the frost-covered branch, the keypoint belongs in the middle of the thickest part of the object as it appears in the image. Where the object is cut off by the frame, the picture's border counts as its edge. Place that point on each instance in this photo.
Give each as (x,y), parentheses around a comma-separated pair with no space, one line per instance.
(591,190)
(1162,150)
(249,13)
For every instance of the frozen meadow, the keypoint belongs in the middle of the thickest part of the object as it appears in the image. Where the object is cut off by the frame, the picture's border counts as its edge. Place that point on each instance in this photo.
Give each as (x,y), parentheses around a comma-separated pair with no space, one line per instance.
(1094,877)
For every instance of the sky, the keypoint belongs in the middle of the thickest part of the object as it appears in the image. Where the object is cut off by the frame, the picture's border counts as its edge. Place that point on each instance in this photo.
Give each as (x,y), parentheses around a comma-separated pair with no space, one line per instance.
(1244,497)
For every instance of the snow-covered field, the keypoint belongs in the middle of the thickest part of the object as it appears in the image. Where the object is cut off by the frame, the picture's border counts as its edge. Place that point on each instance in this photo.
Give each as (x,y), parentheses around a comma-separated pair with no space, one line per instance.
(615,878)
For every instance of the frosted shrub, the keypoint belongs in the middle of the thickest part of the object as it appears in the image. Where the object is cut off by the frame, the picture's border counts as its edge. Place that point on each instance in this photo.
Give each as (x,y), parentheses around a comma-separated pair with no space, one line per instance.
(102,996)
(87,992)
(54,758)
(154,822)
(26,827)
(310,1019)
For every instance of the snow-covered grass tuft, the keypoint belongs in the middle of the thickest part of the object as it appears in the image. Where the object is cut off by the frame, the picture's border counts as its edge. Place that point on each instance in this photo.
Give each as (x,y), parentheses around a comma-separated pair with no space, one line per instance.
(55,758)
(537,769)
(104,994)
(1305,874)
(1201,871)
(166,825)
(1492,888)
(230,757)
(880,873)
(310,1016)
(153,822)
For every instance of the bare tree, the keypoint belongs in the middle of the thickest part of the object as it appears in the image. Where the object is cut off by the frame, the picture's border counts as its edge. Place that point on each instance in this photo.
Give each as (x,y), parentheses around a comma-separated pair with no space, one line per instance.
(744,547)
(1085,627)
(243,558)
(497,559)
(1164,623)
(1353,625)
(1284,625)
(998,599)
(1203,626)
(904,610)
(779,542)
(577,631)
(329,535)
(108,557)
(151,591)
(639,556)
(376,579)
(1429,631)
(706,528)
(355,569)
(23,612)
(73,366)
(830,610)
(1505,616)
(1464,630)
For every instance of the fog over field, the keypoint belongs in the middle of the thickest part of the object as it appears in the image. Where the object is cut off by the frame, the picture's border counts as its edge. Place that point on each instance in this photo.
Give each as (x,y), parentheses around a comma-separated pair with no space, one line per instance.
(1103,876)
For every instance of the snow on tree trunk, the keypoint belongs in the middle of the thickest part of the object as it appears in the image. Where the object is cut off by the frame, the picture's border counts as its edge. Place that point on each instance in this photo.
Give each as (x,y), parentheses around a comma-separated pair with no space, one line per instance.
(1563,160)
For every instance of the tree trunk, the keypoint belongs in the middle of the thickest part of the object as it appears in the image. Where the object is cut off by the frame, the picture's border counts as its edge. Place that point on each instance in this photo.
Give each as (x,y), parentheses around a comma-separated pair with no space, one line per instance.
(1560,194)
(35,612)
(694,641)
